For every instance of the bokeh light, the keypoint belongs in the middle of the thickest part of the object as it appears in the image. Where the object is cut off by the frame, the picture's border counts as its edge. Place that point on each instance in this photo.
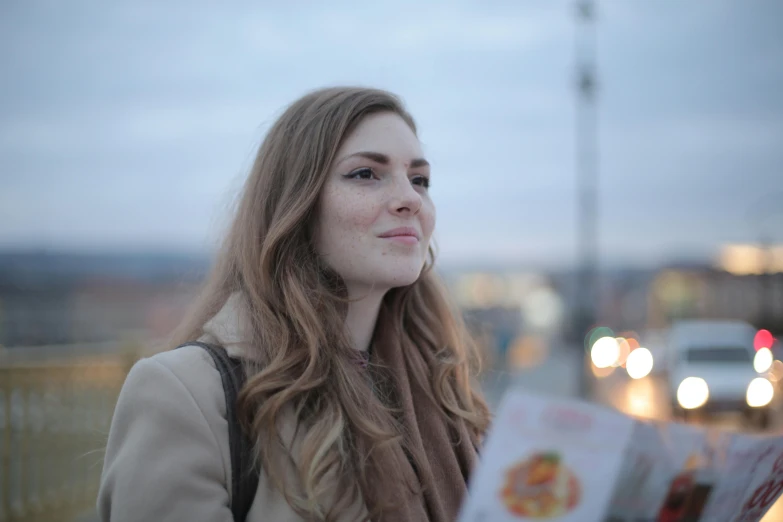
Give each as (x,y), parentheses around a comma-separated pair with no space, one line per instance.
(605,352)
(760,392)
(597,333)
(763,339)
(639,363)
(693,393)
(625,350)
(763,359)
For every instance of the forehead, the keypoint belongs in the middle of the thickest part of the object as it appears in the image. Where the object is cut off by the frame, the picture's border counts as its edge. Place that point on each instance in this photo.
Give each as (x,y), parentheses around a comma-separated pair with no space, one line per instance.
(384,132)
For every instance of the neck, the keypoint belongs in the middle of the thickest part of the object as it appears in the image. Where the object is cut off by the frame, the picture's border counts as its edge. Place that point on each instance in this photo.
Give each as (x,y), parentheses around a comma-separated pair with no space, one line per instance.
(362,316)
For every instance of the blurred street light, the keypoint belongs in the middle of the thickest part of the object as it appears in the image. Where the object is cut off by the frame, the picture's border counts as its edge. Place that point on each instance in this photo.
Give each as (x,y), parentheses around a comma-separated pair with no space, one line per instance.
(605,352)
(639,363)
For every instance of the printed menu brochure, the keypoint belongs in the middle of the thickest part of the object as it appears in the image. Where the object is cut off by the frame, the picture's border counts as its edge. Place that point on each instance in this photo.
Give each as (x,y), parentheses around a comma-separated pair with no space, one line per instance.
(562,460)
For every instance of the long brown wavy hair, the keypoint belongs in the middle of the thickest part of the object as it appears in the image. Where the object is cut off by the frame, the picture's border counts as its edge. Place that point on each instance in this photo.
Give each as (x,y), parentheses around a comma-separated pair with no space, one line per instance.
(301,361)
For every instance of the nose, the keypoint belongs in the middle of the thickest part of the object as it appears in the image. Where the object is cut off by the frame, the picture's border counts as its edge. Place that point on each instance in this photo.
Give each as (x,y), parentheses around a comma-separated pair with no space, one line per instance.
(404,198)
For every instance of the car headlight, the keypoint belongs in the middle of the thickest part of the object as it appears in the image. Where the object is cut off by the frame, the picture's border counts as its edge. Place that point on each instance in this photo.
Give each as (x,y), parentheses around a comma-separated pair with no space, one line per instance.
(760,392)
(763,360)
(692,393)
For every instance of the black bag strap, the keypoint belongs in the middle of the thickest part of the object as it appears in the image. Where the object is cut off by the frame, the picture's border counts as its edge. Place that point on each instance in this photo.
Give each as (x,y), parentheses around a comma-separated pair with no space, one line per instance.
(244,474)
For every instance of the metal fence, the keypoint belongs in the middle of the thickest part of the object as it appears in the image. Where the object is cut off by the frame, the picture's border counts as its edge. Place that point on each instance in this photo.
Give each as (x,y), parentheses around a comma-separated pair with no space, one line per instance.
(56,405)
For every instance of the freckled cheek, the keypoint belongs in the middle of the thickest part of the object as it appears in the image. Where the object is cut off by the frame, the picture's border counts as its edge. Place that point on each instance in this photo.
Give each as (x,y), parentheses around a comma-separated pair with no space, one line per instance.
(427,219)
(357,216)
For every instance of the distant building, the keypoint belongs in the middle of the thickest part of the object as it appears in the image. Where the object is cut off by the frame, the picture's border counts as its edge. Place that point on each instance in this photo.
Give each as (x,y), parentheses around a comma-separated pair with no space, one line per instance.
(63,298)
(711,293)
(35,313)
(653,300)
(108,309)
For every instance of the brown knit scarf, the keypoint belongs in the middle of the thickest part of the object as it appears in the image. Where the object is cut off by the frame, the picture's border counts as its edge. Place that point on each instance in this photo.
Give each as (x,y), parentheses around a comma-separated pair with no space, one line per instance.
(449,452)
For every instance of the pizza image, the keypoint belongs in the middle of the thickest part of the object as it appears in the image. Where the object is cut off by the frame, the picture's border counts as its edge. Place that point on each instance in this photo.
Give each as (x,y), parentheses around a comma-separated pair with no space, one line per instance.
(540,487)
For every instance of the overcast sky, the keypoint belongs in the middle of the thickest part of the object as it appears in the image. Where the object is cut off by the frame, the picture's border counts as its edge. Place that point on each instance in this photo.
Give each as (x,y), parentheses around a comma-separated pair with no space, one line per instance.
(132,124)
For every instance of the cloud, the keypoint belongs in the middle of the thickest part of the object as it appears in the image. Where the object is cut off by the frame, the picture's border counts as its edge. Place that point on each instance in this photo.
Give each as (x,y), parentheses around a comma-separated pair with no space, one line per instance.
(114,107)
(136,126)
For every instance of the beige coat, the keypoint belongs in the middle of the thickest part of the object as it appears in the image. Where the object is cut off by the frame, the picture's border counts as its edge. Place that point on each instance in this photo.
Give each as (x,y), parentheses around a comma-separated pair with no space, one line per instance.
(167,457)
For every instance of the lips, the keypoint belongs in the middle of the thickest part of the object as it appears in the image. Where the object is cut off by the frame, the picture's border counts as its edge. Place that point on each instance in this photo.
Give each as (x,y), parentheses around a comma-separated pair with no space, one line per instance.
(401,232)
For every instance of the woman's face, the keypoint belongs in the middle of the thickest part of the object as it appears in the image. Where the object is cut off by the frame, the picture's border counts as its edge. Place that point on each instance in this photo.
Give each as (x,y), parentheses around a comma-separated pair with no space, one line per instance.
(375,216)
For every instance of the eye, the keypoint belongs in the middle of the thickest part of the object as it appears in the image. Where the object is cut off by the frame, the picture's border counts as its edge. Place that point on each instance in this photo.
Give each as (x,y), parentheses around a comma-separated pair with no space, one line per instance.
(422,181)
(365,173)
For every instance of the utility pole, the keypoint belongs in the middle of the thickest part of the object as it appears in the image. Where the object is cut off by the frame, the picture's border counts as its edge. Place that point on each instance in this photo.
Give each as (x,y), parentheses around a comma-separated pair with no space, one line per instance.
(767,297)
(586,167)
(587,181)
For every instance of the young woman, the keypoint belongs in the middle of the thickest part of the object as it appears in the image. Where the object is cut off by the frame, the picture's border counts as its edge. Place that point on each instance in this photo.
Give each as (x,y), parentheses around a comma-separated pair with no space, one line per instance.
(360,396)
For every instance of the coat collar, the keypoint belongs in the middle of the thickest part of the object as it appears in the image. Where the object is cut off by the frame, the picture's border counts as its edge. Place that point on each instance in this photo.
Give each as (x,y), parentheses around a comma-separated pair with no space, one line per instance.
(230,327)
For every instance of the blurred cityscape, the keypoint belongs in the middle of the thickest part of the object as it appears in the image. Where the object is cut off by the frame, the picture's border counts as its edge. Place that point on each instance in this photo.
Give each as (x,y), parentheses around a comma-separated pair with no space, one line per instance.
(93,308)
(51,298)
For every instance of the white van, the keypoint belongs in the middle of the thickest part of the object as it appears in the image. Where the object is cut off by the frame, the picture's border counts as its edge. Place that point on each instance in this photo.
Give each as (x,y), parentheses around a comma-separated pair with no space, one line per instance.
(710,369)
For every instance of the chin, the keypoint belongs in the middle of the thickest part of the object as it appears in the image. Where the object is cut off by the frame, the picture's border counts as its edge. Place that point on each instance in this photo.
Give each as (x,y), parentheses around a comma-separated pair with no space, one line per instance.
(403,281)
(382,273)
(399,276)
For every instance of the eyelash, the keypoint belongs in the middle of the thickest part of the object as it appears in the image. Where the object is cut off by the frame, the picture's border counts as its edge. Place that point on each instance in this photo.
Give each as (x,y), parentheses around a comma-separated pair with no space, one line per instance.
(424,180)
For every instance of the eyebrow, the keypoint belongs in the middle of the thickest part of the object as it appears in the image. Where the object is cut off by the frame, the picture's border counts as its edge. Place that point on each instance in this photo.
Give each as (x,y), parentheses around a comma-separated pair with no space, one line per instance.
(383,159)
